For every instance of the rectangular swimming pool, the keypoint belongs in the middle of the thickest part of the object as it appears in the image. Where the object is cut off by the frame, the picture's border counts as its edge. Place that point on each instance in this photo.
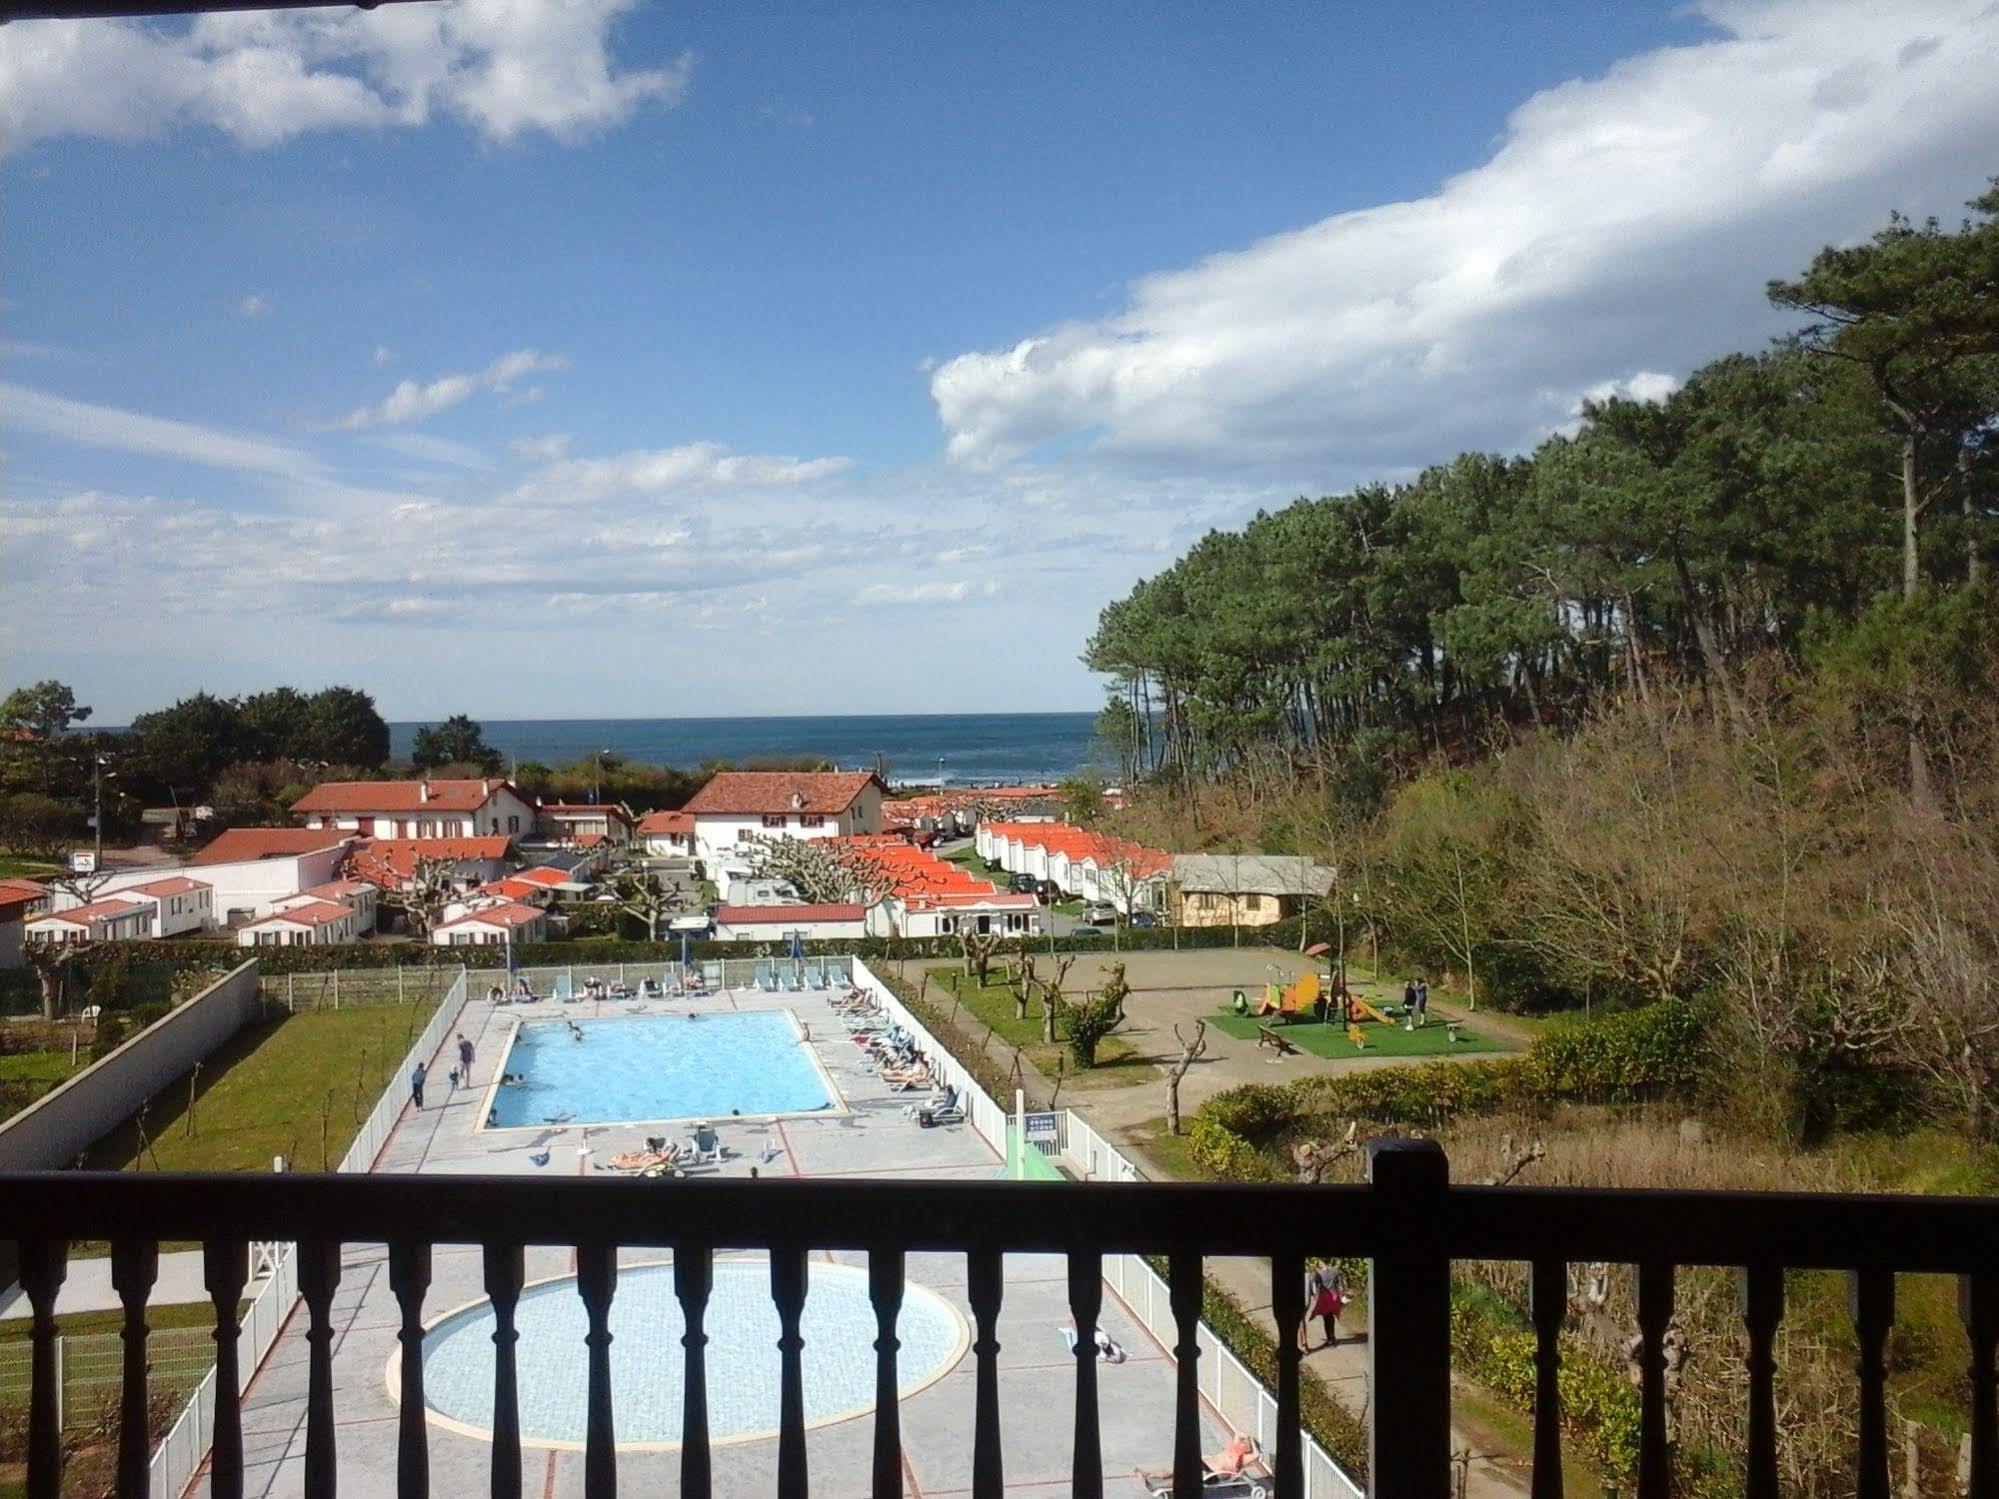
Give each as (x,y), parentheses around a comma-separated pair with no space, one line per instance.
(659,1068)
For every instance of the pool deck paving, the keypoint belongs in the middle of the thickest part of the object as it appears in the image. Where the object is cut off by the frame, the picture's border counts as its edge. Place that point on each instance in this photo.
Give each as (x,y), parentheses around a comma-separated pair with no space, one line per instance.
(870,1137)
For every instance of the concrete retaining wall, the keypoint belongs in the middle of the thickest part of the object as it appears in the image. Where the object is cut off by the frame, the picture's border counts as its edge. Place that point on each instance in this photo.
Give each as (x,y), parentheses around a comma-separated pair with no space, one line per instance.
(58,1127)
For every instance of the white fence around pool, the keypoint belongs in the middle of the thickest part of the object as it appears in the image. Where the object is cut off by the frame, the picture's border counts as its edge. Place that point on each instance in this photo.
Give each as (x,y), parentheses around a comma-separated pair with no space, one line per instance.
(179,1455)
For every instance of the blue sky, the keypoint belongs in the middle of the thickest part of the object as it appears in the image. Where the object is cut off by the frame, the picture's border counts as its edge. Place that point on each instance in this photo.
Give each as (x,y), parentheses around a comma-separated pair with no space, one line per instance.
(543,359)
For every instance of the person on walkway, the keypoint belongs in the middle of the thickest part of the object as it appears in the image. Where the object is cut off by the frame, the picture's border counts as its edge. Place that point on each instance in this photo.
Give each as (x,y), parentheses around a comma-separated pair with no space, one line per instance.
(1422,1001)
(1325,1298)
(1409,998)
(465,1056)
(416,1084)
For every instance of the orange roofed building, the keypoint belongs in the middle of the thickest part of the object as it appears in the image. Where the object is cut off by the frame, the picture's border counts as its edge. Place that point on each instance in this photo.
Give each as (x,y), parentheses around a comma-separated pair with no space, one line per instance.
(1079,862)
(424,808)
(738,806)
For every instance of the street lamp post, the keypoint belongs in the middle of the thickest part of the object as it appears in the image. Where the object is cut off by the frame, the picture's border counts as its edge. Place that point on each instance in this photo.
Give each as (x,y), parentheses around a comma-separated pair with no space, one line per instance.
(97,764)
(597,776)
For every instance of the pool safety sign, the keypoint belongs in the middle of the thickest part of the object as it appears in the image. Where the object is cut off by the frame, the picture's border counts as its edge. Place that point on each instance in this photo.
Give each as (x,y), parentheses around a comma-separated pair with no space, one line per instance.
(1043,1129)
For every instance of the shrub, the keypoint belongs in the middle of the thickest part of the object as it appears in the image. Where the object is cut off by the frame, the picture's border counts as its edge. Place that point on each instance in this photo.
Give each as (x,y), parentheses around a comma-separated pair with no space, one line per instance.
(111,1033)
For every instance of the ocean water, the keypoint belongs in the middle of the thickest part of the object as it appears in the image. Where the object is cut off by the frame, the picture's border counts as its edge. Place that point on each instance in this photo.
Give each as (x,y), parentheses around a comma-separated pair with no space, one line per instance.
(959,748)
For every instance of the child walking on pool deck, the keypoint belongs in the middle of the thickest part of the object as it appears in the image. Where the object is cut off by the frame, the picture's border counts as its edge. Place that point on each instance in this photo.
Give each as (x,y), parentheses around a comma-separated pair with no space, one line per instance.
(1325,1298)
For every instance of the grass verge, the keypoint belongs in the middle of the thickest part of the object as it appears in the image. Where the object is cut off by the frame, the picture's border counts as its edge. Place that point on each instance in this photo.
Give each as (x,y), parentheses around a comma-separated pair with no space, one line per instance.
(291,1085)
(991,1006)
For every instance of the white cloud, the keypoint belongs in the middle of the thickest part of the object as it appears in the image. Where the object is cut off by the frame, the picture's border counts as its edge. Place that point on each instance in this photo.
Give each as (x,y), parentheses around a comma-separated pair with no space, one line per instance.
(695,468)
(428,449)
(89,425)
(254,306)
(877,595)
(1624,223)
(413,402)
(383,355)
(506,68)
(549,445)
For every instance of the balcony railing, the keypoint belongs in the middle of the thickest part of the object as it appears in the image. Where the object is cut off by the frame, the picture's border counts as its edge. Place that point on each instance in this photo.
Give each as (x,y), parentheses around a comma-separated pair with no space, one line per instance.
(1408,1219)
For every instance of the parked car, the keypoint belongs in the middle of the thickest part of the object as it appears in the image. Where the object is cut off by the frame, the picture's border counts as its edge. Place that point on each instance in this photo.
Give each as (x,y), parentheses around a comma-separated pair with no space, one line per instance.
(1024,884)
(1049,891)
(1086,931)
(1100,913)
(1143,918)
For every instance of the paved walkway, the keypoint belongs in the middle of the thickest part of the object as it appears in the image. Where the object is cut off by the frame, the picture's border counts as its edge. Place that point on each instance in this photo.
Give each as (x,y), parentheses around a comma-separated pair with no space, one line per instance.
(87,1287)
(867,1134)
(1170,987)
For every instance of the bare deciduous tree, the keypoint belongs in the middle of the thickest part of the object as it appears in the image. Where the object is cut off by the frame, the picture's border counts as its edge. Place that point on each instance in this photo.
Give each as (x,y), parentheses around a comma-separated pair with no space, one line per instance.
(1192,1048)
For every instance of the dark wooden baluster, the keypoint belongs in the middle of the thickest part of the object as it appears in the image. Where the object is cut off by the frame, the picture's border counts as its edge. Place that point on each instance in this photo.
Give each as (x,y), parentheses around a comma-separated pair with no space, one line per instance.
(1086,1303)
(506,1272)
(1287,1308)
(135,1265)
(1655,1312)
(787,1289)
(1978,1305)
(1871,1294)
(597,1282)
(693,1280)
(1761,1290)
(984,1285)
(225,1268)
(1184,1294)
(885,1292)
(1548,1294)
(43,1265)
(1409,1322)
(409,1279)
(318,1277)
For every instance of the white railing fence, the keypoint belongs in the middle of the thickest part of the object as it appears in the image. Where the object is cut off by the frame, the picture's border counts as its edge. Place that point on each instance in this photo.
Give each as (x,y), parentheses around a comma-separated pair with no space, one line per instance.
(179,1454)
(984,1113)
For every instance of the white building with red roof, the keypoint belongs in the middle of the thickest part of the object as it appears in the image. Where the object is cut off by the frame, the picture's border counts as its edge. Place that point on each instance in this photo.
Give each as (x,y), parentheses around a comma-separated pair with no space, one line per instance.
(1080,862)
(179,904)
(304,921)
(738,806)
(250,870)
(667,835)
(503,921)
(585,824)
(392,862)
(112,919)
(779,924)
(19,900)
(423,808)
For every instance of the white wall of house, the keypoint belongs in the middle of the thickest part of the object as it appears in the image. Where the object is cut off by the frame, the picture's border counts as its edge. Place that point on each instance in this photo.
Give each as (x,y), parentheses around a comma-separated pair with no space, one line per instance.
(280,932)
(778,933)
(475,933)
(669,845)
(504,812)
(129,925)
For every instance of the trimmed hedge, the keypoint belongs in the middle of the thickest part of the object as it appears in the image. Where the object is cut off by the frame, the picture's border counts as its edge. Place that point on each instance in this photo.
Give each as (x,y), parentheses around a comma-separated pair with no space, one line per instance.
(1656,1052)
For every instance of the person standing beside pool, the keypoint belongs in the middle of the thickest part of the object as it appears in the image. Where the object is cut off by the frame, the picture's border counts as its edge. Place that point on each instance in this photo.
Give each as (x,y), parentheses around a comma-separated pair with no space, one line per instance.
(416,1084)
(465,1057)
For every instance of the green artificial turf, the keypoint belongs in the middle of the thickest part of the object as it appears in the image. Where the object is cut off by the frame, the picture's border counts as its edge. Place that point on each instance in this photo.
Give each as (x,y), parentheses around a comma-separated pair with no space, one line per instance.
(1432,1040)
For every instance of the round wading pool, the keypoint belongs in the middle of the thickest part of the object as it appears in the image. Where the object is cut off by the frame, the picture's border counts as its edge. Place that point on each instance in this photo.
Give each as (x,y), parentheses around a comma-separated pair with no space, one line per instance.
(646,1327)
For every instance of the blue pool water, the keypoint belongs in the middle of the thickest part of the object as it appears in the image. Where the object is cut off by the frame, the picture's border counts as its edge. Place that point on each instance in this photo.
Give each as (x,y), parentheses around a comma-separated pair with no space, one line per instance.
(646,1327)
(660,1067)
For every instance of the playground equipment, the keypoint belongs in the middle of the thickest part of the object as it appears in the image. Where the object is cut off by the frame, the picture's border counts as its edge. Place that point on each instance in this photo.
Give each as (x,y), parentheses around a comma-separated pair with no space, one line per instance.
(1299,1002)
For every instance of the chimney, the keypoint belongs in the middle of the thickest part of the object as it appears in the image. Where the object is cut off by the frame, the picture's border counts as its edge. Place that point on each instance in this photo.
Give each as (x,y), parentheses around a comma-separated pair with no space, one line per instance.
(423,791)
(797,800)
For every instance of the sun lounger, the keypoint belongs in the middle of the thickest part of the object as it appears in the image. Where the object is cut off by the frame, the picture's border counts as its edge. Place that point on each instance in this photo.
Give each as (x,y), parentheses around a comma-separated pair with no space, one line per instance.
(707,1146)
(562,989)
(791,978)
(764,980)
(815,973)
(711,973)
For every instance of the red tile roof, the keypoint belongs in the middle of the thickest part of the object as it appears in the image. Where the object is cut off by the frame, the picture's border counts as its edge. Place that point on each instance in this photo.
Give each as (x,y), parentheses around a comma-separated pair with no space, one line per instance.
(779,915)
(515,889)
(402,796)
(666,822)
(396,858)
(172,885)
(339,890)
(240,845)
(17,892)
(312,913)
(542,876)
(751,793)
(509,915)
(97,910)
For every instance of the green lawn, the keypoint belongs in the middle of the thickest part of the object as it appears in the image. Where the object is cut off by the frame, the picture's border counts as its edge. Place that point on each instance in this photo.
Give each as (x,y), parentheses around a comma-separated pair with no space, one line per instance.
(269,1091)
(16,867)
(26,1076)
(1330,1041)
(1118,1061)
